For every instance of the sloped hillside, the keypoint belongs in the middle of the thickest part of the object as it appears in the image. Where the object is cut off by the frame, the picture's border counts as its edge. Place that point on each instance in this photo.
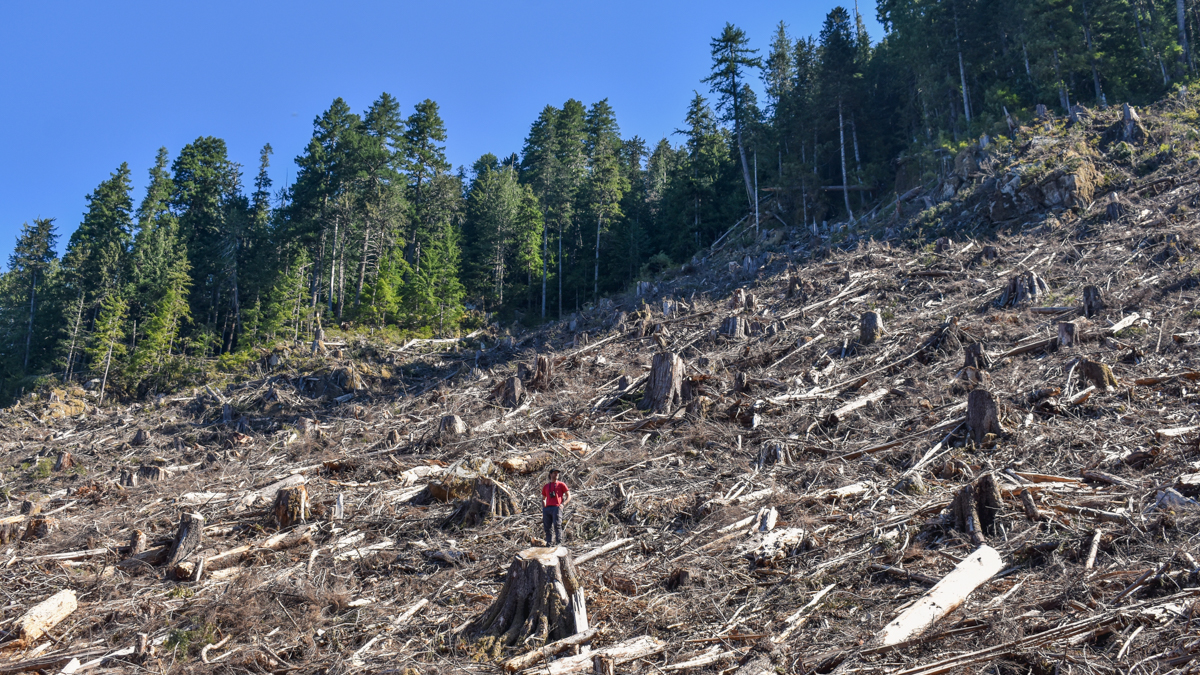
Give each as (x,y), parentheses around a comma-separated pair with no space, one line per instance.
(774,453)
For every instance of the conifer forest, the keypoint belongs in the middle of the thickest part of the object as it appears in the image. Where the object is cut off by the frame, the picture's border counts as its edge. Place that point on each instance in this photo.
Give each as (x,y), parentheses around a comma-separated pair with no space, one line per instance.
(379,232)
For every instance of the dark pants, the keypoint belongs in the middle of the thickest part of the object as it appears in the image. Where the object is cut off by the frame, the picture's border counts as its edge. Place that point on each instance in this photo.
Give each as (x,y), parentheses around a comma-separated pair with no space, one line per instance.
(552,520)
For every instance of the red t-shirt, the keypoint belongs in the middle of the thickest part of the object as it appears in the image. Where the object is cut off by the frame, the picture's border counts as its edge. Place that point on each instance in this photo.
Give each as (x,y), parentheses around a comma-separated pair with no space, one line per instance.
(554,493)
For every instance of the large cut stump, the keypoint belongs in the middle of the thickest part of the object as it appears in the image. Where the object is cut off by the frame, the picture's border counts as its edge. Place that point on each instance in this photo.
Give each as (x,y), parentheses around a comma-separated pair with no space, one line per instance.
(664,389)
(291,506)
(489,499)
(40,527)
(1099,374)
(543,373)
(452,426)
(982,416)
(734,327)
(10,528)
(1093,302)
(870,328)
(510,392)
(541,602)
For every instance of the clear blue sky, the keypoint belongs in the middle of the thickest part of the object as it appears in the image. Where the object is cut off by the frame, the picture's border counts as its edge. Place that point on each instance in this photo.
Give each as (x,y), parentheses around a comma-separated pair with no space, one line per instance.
(85,86)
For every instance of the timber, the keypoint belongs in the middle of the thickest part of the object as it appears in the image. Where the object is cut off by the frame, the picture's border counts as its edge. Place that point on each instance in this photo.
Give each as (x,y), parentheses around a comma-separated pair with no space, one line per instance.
(44,616)
(541,602)
(665,384)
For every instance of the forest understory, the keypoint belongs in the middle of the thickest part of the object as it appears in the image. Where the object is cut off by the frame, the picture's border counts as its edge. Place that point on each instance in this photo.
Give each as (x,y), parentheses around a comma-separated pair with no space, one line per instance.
(776,454)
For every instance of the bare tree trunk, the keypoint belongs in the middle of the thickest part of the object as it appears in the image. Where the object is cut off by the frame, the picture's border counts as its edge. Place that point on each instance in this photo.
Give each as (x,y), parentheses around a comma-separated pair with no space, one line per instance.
(1183,39)
(560,270)
(596,276)
(362,267)
(962,71)
(29,332)
(842,138)
(1087,35)
(333,261)
(745,166)
(545,253)
(74,338)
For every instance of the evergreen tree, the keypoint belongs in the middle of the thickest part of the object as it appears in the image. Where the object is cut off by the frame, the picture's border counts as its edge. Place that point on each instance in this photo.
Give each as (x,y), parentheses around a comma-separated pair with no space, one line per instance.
(107,347)
(28,266)
(732,55)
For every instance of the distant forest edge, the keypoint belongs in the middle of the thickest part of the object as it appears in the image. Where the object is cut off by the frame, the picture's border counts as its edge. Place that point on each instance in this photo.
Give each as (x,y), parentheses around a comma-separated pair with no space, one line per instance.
(379,230)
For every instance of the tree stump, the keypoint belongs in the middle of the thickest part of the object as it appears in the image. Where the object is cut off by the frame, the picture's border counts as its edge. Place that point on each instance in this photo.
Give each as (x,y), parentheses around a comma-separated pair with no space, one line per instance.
(975,357)
(291,506)
(489,499)
(1093,302)
(603,665)
(510,392)
(1023,289)
(989,254)
(1068,334)
(988,502)
(665,384)
(40,527)
(152,474)
(10,528)
(942,245)
(452,426)
(1099,374)
(128,478)
(140,438)
(541,602)
(982,417)
(680,578)
(1115,209)
(738,299)
(870,328)
(137,543)
(966,515)
(773,453)
(188,538)
(734,327)
(65,462)
(543,373)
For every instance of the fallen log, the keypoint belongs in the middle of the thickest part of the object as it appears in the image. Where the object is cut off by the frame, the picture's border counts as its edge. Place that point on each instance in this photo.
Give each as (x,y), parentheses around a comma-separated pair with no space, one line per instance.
(862,401)
(944,597)
(45,615)
(637,648)
(538,655)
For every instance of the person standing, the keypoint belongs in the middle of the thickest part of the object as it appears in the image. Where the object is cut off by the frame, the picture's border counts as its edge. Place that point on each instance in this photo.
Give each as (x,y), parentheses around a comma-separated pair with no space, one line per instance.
(554,497)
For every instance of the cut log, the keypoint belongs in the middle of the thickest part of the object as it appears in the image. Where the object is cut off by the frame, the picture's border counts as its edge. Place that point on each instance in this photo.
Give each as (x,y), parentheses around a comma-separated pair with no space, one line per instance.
(1099,374)
(982,417)
(944,597)
(452,426)
(766,549)
(870,328)
(624,652)
(541,602)
(45,615)
(40,527)
(267,494)
(64,462)
(1093,302)
(527,463)
(664,387)
(841,413)
(543,373)
(490,499)
(734,327)
(538,655)
(291,506)
(188,537)
(10,528)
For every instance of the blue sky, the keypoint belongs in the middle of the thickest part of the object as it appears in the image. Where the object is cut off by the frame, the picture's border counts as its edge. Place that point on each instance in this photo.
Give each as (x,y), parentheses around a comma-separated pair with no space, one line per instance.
(85,86)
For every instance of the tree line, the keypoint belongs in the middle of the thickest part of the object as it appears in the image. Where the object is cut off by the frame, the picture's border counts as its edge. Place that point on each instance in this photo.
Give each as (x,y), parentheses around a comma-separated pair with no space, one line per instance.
(378,229)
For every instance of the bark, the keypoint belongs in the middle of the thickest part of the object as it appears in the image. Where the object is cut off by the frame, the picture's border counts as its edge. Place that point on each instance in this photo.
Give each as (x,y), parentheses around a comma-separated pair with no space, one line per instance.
(10,528)
(1099,374)
(870,328)
(665,384)
(542,601)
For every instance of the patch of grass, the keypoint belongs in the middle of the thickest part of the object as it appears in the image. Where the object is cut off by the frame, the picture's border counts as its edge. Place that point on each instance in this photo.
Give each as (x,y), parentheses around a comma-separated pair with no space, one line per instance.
(181,592)
(43,469)
(180,641)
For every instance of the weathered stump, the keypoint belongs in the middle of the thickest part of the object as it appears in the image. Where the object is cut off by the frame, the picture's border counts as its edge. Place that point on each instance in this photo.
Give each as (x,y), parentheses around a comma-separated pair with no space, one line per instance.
(966,514)
(541,602)
(976,508)
(1115,209)
(511,392)
(452,426)
(128,478)
(989,254)
(140,438)
(734,327)
(152,474)
(1099,374)
(988,501)
(1093,302)
(188,537)
(975,357)
(543,373)
(665,384)
(738,299)
(64,462)
(291,506)
(10,528)
(1023,289)
(773,453)
(489,499)
(137,543)
(982,416)
(870,328)
(1068,334)
(943,244)
(40,527)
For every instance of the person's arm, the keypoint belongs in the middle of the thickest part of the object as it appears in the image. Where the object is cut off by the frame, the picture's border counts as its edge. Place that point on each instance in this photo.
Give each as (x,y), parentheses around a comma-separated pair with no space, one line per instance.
(566,495)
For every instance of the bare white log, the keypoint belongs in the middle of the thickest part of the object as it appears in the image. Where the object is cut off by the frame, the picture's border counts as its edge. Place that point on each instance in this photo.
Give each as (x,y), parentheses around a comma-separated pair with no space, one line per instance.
(944,597)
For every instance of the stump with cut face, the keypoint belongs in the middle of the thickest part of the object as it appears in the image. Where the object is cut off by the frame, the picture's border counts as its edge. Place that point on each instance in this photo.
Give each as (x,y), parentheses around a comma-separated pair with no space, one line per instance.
(541,602)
